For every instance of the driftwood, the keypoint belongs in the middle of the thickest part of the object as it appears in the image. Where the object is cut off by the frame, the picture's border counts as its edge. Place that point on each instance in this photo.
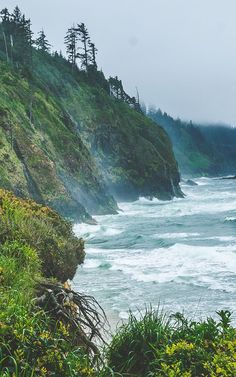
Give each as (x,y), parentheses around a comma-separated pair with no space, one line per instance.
(84,316)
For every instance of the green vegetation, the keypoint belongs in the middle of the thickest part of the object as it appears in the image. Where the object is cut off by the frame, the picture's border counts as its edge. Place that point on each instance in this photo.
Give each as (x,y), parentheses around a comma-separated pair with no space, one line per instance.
(42,329)
(70,138)
(199,149)
(156,346)
(35,242)
(39,227)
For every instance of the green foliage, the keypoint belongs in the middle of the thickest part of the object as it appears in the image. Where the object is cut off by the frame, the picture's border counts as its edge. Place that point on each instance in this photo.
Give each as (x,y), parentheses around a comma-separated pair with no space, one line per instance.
(16,38)
(43,229)
(35,241)
(199,149)
(156,346)
(30,345)
(73,142)
(49,168)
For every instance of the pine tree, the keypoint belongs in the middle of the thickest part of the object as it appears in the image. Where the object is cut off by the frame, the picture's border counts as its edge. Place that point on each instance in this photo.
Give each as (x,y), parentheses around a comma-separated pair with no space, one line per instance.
(42,43)
(84,39)
(92,54)
(71,39)
(5,15)
(16,15)
(116,88)
(24,42)
(17,37)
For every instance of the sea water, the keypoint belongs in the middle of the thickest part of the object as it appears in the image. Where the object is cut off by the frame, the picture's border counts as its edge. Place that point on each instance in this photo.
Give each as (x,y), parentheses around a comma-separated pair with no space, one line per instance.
(178,255)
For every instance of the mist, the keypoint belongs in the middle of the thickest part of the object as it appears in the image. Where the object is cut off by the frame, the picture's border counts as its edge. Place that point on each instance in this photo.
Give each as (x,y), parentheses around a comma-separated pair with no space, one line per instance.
(181,54)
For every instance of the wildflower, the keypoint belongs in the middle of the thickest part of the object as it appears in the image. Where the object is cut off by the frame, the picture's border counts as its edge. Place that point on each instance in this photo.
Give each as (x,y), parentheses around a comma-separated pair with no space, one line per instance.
(181,346)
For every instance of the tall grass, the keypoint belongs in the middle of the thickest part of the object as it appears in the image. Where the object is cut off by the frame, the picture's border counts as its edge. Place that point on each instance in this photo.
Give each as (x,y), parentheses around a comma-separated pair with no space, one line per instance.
(158,345)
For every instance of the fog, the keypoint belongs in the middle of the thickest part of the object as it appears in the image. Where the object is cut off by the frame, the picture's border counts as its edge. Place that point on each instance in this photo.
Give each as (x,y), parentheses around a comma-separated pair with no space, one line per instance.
(181,54)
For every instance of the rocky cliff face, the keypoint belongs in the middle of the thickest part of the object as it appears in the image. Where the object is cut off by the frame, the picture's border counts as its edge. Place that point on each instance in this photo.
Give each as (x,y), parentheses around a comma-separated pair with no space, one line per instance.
(66,143)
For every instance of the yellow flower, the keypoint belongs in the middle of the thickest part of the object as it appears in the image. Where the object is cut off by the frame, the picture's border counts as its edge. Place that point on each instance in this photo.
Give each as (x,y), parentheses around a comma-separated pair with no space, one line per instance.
(43,371)
(45,335)
(181,346)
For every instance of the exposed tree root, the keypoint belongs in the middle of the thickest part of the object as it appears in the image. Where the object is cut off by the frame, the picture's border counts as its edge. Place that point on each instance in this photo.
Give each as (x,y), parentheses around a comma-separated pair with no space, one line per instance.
(84,316)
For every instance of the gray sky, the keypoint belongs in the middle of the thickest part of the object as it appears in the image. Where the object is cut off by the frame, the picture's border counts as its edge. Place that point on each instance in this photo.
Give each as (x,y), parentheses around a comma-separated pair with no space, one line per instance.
(181,54)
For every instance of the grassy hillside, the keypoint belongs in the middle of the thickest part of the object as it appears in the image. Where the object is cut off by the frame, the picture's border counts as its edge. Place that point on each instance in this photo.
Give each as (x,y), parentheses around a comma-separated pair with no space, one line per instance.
(44,157)
(68,143)
(200,149)
(134,156)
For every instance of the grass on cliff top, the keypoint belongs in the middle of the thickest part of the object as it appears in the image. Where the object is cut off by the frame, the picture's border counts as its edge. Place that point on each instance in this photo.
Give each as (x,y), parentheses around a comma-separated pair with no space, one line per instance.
(44,230)
(161,346)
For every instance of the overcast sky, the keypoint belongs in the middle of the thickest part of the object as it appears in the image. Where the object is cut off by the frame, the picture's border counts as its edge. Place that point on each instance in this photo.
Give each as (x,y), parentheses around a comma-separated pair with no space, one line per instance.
(181,54)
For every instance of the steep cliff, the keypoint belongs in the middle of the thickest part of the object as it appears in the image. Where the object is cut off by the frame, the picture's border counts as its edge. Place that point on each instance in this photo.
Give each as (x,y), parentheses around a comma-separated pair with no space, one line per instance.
(67,143)
(200,149)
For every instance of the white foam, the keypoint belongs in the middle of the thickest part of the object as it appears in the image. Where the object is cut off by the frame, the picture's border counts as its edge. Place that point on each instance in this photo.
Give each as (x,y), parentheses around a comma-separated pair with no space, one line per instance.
(86,229)
(143,200)
(223,238)
(182,264)
(89,231)
(112,232)
(91,263)
(230,219)
(96,250)
(176,235)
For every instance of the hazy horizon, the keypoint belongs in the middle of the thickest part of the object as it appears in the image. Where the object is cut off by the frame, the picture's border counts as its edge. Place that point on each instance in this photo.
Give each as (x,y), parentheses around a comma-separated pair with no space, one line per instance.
(181,54)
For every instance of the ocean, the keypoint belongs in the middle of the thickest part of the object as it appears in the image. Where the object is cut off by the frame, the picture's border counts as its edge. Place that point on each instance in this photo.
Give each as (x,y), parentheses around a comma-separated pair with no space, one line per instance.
(177,255)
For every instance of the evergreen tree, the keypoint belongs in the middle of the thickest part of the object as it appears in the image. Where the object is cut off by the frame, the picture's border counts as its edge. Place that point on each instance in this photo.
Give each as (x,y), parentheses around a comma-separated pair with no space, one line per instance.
(16,15)
(22,41)
(84,39)
(117,91)
(17,37)
(5,15)
(42,43)
(92,54)
(116,88)
(71,39)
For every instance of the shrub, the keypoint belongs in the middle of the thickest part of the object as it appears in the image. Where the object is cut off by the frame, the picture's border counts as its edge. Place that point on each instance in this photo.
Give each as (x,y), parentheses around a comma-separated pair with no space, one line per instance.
(35,242)
(44,230)
(30,344)
(156,346)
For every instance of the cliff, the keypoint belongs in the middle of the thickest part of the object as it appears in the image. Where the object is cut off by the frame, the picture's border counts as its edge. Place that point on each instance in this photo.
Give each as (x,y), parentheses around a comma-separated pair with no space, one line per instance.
(67,143)
(200,149)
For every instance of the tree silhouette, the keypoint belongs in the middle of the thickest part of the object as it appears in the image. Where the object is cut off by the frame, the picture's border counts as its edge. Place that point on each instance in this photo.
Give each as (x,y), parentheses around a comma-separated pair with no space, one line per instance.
(84,39)
(42,42)
(17,36)
(5,15)
(16,15)
(71,39)
(92,54)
